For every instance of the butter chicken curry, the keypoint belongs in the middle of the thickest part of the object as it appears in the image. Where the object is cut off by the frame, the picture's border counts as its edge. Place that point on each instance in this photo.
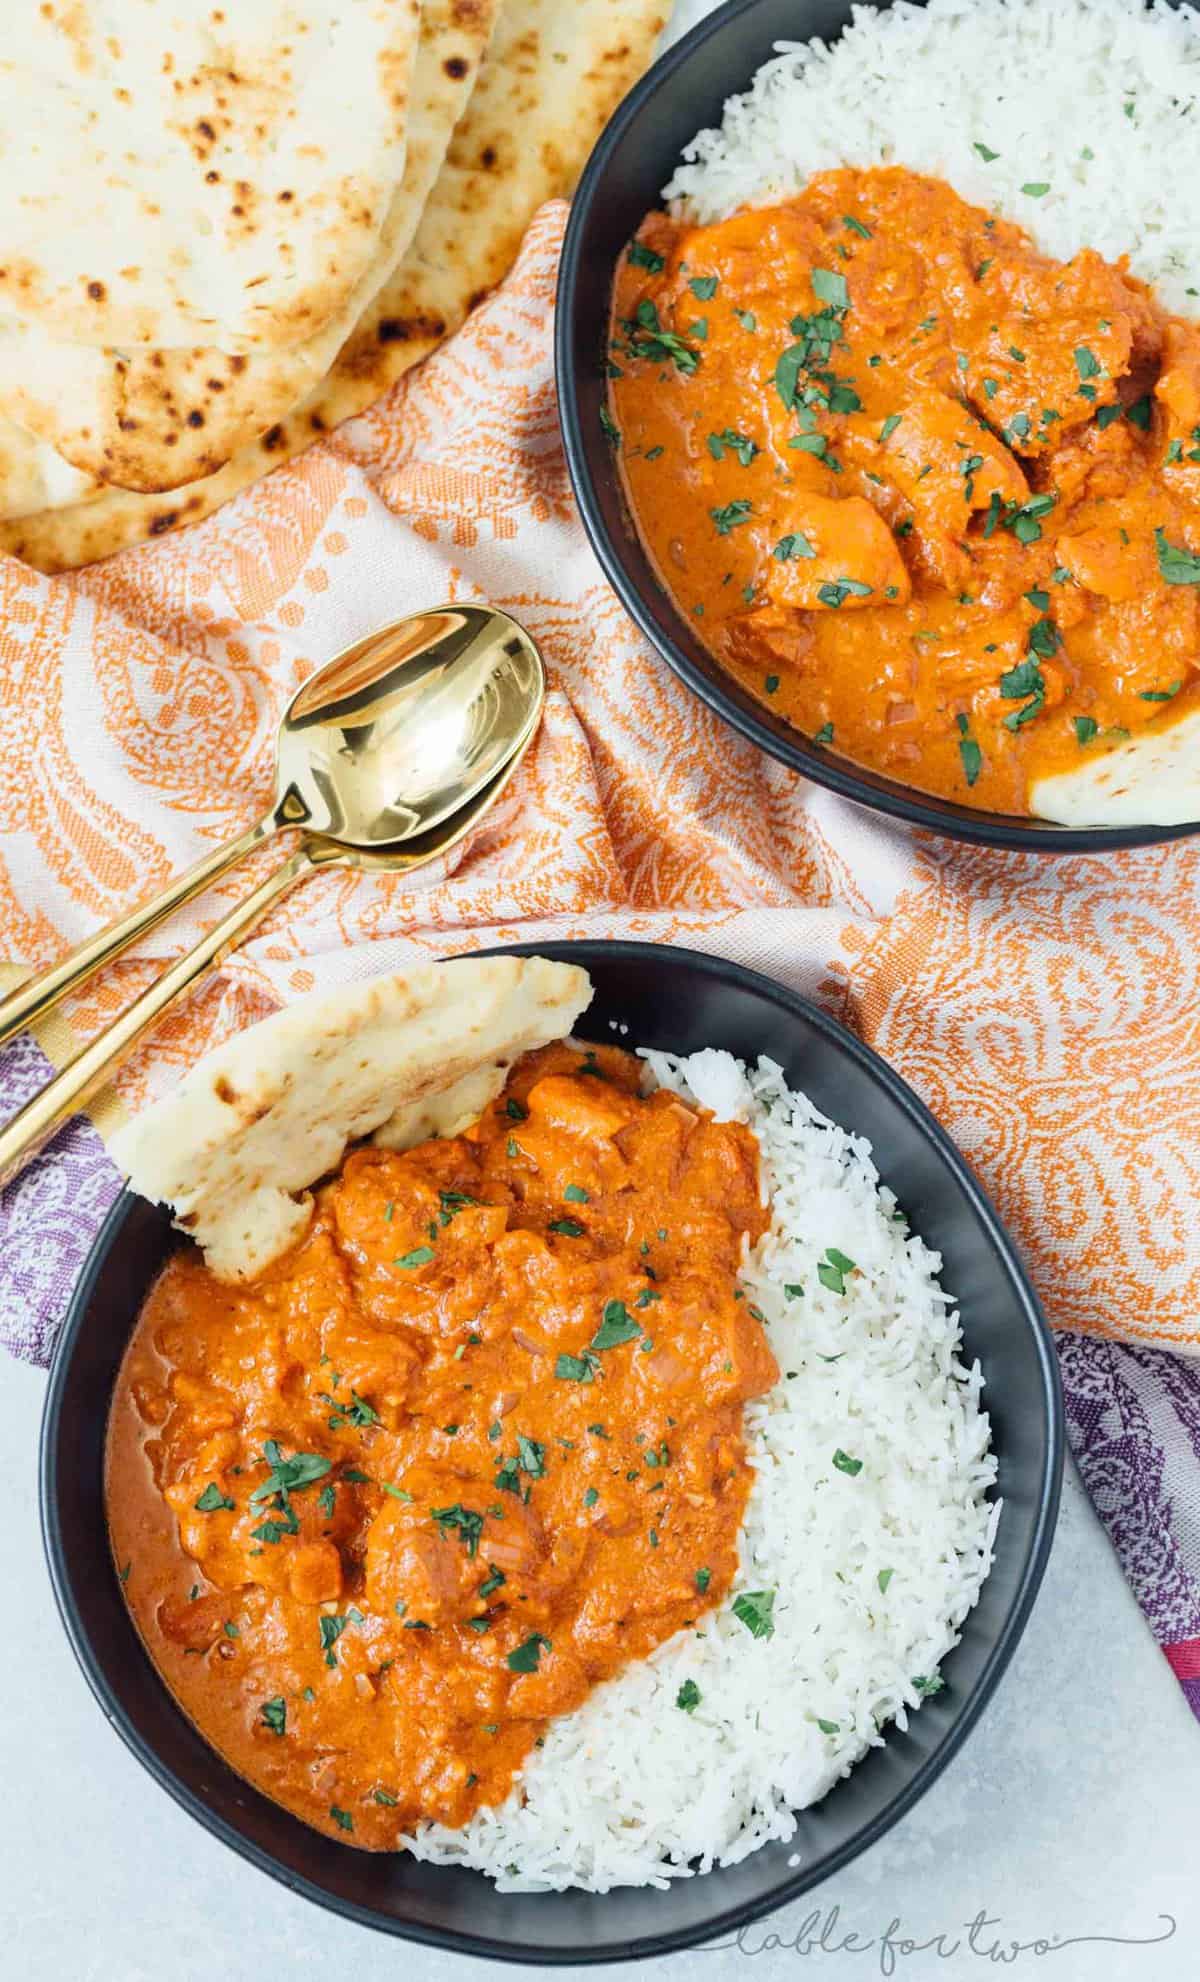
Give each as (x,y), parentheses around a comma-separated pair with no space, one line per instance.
(932,496)
(474,1444)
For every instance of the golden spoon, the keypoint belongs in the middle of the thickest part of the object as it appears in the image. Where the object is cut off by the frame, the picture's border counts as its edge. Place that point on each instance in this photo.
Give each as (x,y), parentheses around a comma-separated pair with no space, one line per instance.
(386,757)
(378,745)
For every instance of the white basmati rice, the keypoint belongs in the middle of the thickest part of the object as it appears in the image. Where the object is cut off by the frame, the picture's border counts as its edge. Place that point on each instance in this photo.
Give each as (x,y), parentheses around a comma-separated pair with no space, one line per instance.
(873,1572)
(1095,99)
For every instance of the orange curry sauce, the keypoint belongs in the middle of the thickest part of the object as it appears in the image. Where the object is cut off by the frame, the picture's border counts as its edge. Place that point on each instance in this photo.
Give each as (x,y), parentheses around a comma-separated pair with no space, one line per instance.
(929,494)
(468,1449)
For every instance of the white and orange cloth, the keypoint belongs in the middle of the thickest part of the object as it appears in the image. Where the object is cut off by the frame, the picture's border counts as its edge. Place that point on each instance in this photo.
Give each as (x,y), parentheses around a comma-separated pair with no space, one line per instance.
(1047,1009)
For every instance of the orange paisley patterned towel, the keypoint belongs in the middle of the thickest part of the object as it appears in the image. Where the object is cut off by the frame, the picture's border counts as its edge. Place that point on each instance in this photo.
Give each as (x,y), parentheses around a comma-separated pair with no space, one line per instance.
(1048,1010)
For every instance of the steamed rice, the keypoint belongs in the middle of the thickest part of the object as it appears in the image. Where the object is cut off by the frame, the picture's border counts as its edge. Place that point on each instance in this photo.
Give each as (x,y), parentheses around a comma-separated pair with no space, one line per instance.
(1095,100)
(873,1571)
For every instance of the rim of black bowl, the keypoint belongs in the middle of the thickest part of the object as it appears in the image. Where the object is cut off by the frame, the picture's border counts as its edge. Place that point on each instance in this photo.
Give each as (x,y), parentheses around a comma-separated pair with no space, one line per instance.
(578,356)
(728,1919)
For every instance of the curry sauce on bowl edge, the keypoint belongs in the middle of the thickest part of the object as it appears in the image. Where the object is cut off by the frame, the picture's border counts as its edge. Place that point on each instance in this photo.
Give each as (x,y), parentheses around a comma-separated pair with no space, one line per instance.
(469,1448)
(927,493)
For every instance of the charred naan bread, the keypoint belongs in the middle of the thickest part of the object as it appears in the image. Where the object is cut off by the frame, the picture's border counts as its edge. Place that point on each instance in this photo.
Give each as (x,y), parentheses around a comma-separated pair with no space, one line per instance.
(553,74)
(1152,779)
(174,172)
(234,1149)
(153,419)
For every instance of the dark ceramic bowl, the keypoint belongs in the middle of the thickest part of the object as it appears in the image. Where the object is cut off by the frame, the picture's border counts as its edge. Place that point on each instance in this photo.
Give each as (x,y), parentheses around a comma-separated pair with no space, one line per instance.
(677,1000)
(682,94)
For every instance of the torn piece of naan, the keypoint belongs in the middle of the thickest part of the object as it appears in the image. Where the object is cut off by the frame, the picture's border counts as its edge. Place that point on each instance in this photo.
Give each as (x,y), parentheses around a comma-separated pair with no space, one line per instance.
(552,77)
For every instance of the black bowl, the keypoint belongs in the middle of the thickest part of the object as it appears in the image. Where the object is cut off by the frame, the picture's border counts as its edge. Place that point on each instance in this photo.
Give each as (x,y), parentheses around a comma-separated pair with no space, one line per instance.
(677,1000)
(684,93)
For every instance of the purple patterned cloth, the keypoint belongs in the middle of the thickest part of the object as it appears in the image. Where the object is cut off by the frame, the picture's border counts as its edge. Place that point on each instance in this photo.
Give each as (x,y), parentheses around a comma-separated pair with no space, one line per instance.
(1133,1415)
(1133,1419)
(49,1216)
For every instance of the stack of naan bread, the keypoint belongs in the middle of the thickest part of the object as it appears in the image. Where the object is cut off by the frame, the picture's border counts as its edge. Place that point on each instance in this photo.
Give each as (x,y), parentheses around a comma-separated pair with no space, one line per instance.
(226,227)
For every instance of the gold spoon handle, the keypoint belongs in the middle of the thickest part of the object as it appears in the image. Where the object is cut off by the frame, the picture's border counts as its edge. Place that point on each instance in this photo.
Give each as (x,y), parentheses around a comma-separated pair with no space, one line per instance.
(39,995)
(85,1074)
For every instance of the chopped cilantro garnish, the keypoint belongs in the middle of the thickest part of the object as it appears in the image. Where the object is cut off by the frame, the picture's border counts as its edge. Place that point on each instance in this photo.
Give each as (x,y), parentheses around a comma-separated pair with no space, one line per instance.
(274,1714)
(688,1696)
(211,1499)
(1025,679)
(735,443)
(331,1629)
(1177,564)
(834,594)
(643,257)
(646,338)
(830,287)
(794,545)
(356,1412)
(787,373)
(531,1456)
(468,1523)
(287,1476)
(731,515)
(972,758)
(527,1655)
(832,1270)
(419,1256)
(755,1609)
(617,1325)
(577,1369)
(845,1464)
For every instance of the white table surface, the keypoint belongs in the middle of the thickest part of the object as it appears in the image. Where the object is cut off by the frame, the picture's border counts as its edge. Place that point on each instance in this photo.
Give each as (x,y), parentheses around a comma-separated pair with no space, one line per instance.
(1071,1813)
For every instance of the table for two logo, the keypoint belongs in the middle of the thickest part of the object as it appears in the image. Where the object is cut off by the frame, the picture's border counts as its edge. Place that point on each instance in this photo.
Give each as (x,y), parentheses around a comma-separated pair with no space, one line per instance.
(823,1934)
